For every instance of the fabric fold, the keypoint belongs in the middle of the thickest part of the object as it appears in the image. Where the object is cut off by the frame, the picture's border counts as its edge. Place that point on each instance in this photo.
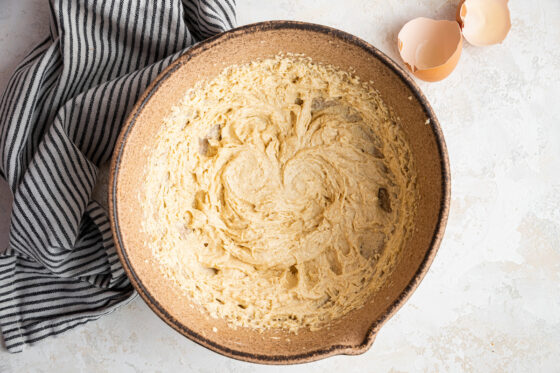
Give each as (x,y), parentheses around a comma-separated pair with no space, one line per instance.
(60,116)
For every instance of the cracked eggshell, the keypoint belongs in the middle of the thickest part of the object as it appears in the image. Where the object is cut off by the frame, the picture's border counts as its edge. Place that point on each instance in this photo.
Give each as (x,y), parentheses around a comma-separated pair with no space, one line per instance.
(484,22)
(430,48)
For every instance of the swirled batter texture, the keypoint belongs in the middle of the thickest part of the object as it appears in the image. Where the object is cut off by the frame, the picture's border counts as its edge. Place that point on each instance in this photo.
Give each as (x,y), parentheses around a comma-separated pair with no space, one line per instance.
(279,193)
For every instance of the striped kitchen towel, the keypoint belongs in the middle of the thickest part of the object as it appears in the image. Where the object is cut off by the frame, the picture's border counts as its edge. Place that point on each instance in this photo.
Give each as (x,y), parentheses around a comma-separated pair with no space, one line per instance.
(60,116)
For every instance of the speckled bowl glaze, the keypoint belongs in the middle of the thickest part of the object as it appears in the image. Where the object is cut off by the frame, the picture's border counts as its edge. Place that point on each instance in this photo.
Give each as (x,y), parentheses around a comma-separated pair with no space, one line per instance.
(353,333)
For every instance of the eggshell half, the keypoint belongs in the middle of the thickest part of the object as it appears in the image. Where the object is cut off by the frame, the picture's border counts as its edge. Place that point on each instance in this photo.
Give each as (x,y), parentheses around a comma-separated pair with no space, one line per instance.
(430,48)
(484,22)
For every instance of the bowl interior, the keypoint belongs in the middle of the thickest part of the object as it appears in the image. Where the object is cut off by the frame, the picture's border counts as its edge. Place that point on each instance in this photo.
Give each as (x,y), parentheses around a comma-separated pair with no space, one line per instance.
(354,332)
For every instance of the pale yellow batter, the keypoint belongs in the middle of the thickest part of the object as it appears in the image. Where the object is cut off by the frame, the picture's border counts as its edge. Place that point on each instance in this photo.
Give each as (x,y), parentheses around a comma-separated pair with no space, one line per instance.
(279,193)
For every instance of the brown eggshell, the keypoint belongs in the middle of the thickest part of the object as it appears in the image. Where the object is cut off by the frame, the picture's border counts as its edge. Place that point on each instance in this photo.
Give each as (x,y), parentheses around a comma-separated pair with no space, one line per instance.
(484,22)
(430,48)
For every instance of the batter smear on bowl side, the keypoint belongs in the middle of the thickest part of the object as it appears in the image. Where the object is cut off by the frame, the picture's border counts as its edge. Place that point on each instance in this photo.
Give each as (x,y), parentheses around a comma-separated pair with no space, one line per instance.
(279,193)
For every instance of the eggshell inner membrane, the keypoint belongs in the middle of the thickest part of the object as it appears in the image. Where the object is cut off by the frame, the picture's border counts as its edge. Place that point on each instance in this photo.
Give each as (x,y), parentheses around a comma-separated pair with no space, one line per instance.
(485,22)
(425,43)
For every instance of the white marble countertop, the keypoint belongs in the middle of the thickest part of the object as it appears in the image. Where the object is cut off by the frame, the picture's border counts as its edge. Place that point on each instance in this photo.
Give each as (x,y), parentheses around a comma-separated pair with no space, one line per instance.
(491,300)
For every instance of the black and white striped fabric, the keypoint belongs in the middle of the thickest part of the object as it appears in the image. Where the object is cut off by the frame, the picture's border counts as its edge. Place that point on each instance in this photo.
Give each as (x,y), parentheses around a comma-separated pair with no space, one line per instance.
(60,116)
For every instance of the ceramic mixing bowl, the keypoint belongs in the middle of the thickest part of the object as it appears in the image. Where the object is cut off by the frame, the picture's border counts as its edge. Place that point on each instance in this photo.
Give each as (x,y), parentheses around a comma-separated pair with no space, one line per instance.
(353,333)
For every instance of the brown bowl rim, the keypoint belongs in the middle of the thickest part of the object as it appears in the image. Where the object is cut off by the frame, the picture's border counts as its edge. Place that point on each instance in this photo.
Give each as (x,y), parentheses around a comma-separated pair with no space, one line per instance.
(397,303)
